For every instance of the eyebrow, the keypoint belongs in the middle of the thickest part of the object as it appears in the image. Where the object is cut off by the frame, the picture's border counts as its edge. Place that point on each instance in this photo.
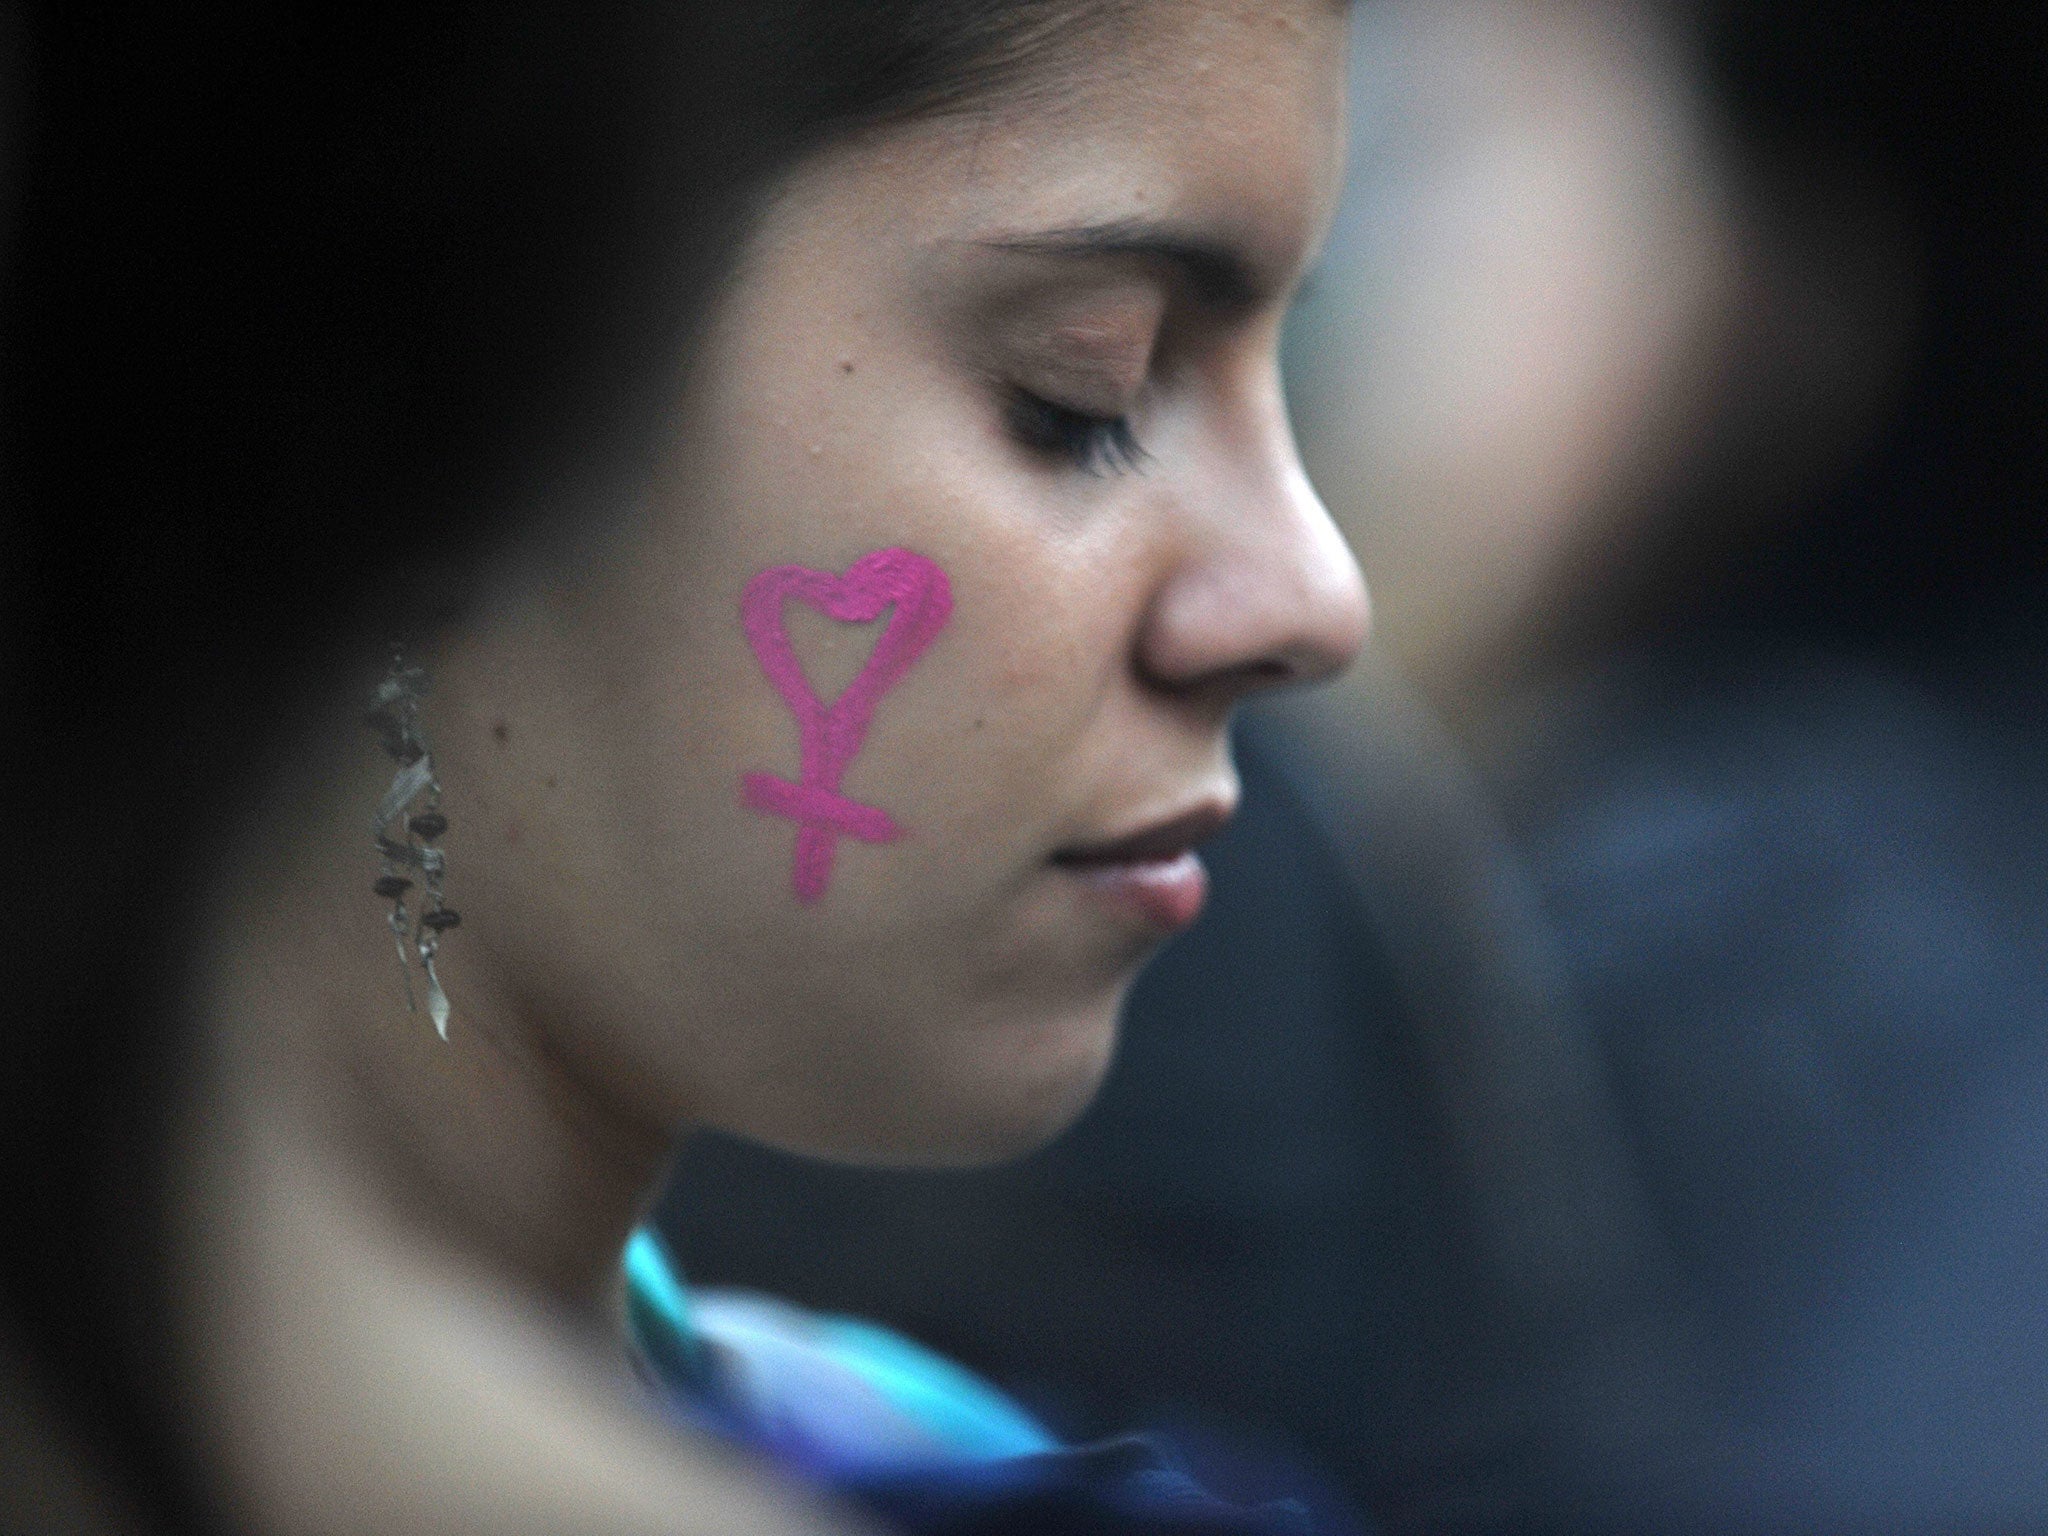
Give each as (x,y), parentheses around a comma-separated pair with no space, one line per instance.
(1218,273)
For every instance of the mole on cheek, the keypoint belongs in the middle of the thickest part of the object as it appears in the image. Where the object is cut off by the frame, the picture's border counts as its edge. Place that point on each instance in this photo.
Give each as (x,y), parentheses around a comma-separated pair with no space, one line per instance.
(501,733)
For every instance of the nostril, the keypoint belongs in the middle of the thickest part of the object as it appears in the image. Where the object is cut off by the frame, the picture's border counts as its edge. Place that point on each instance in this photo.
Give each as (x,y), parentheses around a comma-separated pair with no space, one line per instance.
(1226,685)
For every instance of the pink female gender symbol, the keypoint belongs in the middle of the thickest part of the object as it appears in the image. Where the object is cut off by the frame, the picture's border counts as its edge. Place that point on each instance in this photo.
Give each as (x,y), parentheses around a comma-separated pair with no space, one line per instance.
(832,733)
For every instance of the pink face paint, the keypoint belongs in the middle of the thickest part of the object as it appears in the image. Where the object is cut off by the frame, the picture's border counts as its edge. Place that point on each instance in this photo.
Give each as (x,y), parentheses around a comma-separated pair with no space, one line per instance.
(832,733)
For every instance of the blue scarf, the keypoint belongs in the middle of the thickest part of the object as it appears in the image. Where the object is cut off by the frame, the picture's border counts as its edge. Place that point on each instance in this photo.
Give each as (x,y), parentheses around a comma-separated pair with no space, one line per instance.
(851,1407)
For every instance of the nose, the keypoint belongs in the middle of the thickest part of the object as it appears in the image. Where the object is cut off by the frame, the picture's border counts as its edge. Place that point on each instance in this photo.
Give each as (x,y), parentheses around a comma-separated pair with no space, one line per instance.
(1263,591)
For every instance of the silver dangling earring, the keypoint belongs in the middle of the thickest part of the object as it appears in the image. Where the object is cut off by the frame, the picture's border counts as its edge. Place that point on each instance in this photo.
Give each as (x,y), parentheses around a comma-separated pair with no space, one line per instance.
(395,717)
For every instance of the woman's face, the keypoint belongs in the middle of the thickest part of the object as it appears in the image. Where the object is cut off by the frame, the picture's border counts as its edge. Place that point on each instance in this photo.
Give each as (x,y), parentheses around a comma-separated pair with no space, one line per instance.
(1030,351)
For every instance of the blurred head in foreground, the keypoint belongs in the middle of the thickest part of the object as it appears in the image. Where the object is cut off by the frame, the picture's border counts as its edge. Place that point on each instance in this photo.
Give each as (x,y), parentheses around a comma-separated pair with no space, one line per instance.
(1642,319)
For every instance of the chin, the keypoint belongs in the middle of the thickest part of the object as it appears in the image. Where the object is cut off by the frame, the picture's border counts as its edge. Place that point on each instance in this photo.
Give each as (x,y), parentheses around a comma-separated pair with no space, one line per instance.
(1031,1080)
(1019,1118)
(1007,1090)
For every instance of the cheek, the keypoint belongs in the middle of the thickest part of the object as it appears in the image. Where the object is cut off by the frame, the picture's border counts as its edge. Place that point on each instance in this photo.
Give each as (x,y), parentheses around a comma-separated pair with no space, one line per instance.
(929,977)
(974,752)
(1043,602)
(989,741)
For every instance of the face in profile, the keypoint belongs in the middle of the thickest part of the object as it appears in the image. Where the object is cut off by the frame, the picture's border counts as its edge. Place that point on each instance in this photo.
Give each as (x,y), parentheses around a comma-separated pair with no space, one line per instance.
(838,801)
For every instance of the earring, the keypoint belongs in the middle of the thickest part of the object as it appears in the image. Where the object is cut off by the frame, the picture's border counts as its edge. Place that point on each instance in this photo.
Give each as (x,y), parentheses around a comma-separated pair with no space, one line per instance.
(414,851)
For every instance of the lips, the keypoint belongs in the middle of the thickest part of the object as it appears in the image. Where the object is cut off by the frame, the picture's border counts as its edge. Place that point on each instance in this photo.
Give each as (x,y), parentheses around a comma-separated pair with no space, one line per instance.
(1153,874)
(1164,840)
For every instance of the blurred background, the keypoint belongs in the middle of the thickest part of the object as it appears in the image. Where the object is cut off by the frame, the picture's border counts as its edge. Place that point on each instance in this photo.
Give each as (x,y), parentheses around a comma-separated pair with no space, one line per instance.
(1609,1090)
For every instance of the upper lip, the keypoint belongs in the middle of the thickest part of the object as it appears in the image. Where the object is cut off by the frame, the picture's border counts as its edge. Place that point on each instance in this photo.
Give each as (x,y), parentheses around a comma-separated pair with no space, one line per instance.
(1166,839)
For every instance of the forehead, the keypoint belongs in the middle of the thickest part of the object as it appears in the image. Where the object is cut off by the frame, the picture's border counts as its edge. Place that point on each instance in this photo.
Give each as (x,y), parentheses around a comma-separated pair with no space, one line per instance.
(1223,118)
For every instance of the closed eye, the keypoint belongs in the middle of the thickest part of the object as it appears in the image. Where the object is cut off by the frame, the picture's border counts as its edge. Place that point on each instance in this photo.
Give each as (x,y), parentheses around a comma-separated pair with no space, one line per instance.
(1093,444)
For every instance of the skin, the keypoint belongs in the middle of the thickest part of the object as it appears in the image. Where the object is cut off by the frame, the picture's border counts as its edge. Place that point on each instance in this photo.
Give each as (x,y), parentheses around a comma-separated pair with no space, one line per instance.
(375,1222)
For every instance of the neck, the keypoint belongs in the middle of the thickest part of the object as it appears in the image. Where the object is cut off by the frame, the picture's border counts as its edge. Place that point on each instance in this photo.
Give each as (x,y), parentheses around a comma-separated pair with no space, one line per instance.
(489,1142)
(394,1271)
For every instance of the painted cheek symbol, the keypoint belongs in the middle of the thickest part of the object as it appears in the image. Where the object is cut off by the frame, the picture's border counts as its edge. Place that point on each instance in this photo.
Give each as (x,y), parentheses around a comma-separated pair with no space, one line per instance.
(832,733)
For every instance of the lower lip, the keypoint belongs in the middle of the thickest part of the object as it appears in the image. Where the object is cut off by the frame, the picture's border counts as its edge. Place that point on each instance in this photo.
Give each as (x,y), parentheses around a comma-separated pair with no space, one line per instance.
(1166,893)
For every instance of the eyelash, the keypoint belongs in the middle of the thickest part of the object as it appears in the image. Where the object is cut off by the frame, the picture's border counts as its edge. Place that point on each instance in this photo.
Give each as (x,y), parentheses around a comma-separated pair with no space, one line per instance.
(1095,445)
